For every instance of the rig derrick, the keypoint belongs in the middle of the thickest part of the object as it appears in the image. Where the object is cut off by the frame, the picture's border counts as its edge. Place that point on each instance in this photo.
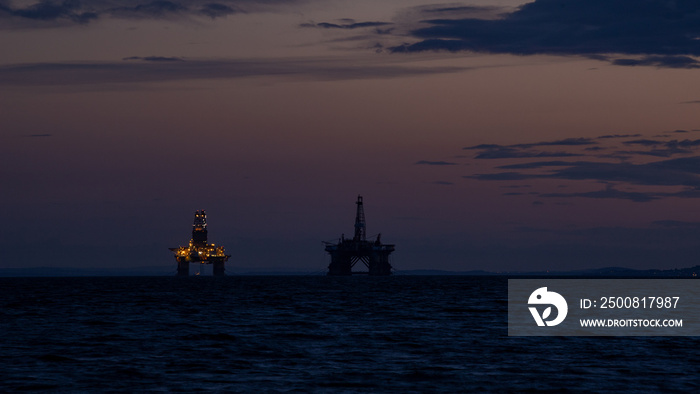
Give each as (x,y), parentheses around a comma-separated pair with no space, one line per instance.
(347,252)
(199,251)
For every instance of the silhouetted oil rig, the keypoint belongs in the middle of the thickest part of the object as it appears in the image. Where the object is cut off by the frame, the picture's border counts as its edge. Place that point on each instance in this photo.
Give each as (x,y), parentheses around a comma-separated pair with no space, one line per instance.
(199,251)
(347,252)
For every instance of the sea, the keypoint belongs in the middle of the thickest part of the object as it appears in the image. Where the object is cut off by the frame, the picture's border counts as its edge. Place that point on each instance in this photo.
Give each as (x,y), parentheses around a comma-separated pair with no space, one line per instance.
(397,334)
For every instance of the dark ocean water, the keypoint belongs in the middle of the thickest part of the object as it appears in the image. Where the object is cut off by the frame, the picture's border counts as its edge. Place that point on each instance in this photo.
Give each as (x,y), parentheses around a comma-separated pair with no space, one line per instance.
(306,334)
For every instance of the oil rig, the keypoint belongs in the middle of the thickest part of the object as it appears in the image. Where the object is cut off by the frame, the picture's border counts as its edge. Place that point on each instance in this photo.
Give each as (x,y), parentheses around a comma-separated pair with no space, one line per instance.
(347,252)
(199,251)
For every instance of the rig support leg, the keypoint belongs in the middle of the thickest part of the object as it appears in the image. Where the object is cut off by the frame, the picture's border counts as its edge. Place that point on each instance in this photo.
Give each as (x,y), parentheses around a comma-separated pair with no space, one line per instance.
(183,268)
(341,265)
(379,264)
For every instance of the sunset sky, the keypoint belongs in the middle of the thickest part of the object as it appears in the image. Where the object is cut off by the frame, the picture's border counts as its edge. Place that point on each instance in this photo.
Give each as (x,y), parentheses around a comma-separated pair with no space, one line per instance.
(483,135)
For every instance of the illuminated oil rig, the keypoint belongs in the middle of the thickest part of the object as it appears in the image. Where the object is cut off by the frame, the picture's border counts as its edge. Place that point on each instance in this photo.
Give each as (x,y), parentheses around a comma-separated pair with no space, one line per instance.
(199,251)
(347,252)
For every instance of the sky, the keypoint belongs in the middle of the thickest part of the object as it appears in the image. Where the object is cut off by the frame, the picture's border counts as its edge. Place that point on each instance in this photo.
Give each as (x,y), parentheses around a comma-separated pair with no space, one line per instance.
(483,135)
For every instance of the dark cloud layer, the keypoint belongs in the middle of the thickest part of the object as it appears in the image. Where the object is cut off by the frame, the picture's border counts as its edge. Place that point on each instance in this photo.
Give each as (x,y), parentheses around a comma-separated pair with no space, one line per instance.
(155,58)
(662,148)
(136,69)
(349,24)
(519,151)
(654,147)
(659,61)
(608,192)
(611,192)
(656,32)
(564,142)
(49,11)
(681,172)
(505,152)
(436,163)
(70,12)
(672,172)
(217,10)
(644,142)
(618,136)
(470,9)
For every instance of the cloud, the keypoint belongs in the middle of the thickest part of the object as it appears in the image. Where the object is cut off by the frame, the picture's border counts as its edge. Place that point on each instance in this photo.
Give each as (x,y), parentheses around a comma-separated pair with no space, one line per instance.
(657,152)
(644,142)
(451,11)
(149,9)
(160,69)
(659,148)
(540,164)
(656,148)
(669,148)
(672,172)
(684,143)
(436,163)
(564,142)
(351,25)
(217,10)
(502,176)
(519,151)
(631,168)
(53,13)
(608,192)
(484,146)
(655,32)
(688,193)
(155,58)
(511,153)
(660,61)
(669,144)
(611,192)
(469,9)
(619,136)
(49,11)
